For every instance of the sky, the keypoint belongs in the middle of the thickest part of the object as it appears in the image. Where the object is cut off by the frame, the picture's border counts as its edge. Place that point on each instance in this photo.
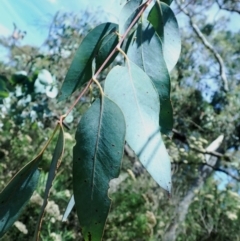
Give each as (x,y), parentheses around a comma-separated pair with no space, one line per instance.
(34,16)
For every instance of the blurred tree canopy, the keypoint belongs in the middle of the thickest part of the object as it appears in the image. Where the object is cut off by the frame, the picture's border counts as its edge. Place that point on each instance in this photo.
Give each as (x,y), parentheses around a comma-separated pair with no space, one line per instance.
(205,201)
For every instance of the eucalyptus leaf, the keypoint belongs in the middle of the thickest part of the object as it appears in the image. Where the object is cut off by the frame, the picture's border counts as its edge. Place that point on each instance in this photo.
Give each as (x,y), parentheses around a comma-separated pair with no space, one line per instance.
(145,50)
(69,208)
(56,159)
(128,13)
(134,93)
(170,36)
(168,2)
(17,193)
(97,159)
(80,70)
(155,17)
(3,89)
(108,43)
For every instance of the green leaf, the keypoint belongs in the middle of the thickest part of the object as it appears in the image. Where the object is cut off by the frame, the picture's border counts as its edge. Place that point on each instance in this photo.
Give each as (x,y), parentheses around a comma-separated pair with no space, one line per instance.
(166,117)
(168,2)
(56,159)
(145,50)
(155,17)
(135,94)
(170,36)
(96,160)
(108,43)
(17,193)
(19,78)
(128,13)
(80,70)
(3,89)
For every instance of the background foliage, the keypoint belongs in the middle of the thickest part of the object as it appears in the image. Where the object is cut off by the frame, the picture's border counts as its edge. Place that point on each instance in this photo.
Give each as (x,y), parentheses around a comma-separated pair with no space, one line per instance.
(204,204)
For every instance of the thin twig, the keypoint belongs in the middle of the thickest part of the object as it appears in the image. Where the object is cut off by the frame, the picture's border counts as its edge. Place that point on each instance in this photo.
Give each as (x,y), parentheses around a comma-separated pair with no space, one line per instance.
(224,171)
(212,153)
(227,9)
(213,167)
(183,138)
(209,47)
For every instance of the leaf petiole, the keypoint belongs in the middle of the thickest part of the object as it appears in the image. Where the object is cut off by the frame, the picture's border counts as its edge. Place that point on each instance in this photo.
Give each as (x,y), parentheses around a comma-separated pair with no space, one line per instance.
(99,86)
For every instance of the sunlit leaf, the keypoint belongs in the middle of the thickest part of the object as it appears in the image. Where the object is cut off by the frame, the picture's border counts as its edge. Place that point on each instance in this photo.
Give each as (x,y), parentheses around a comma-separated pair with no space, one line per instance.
(80,70)
(128,13)
(96,160)
(145,50)
(17,193)
(134,93)
(69,208)
(170,35)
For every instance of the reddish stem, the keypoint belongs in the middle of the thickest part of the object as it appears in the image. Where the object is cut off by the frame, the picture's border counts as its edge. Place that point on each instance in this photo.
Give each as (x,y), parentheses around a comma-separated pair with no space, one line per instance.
(144,6)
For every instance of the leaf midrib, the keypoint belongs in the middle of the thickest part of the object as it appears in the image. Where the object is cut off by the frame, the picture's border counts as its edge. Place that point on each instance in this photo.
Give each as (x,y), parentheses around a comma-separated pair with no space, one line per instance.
(135,96)
(96,147)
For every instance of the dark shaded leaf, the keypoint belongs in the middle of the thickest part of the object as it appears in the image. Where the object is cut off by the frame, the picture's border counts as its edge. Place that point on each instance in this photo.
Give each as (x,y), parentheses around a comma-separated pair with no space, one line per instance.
(80,70)
(134,93)
(168,2)
(19,78)
(17,193)
(3,89)
(108,43)
(96,160)
(56,159)
(155,17)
